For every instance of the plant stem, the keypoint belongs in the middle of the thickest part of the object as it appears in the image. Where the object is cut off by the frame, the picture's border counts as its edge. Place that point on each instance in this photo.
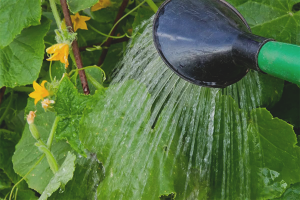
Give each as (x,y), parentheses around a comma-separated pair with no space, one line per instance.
(152,5)
(55,13)
(94,82)
(16,194)
(7,108)
(52,133)
(50,72)
(38,162)
(115,41)
(109,36)
(23,89)
(75,48)
(112,32)
(48,43)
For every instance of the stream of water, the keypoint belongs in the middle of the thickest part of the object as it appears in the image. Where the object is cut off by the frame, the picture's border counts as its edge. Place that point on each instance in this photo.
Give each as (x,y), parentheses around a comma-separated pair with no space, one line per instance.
(158,134)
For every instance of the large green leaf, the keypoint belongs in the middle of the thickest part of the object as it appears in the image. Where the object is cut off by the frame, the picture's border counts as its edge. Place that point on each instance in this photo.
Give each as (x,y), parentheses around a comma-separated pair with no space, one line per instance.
(200,148)
(78,5)
(27,154)
(106,133)
(61,177)
(277,152)
(16,15)
(256,90)
(274,19)
(253,156)
(87,176)
(69,106)
(21,61)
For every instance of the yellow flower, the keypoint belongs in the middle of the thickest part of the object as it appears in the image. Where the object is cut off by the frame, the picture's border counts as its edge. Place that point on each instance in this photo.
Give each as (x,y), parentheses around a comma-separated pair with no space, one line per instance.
(30,117)
(46,103)
(101,4)
(60,52)
(39,92)
(79,21)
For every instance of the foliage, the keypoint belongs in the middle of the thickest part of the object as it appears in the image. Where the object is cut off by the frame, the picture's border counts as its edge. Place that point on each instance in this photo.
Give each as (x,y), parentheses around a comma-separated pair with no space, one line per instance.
(99,153)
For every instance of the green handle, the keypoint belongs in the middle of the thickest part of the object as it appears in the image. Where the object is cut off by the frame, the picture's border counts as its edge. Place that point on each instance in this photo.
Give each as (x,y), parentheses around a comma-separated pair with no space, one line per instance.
(281,60)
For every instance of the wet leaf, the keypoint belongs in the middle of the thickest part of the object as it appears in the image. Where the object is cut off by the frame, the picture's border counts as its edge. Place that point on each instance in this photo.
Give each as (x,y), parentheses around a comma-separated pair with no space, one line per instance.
(69,105)
(292,193)
(87,176)
(135,142)
(61,177)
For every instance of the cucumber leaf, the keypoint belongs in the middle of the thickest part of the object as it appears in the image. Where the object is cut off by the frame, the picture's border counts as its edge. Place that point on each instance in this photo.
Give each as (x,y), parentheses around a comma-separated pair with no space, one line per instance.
(61,177)
(16,15)
(275,19)
(87,176)
(21,60)
(69,105)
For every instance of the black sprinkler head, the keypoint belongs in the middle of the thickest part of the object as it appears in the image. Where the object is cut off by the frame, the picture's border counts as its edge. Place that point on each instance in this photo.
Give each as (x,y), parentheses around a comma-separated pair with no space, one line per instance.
(206,42)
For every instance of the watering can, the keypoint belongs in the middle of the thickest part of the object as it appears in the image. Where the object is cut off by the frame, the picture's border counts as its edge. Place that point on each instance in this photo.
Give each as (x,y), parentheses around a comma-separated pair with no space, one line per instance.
(209,43)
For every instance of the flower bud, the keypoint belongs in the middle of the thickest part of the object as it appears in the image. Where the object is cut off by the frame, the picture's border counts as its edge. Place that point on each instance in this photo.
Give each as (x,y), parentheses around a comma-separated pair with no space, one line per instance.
(46,103)
(30,117)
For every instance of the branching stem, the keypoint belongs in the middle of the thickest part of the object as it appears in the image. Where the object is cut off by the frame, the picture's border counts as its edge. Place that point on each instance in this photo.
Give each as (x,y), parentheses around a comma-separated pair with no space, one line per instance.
(109,36)
(55,13)
(75,48)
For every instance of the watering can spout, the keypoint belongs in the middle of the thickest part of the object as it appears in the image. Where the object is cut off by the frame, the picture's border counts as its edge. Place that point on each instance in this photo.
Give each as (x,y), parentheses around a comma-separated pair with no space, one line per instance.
(209,43)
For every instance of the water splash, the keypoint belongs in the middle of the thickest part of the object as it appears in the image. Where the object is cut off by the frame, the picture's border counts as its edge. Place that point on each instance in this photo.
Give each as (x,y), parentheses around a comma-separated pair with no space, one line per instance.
(158,135)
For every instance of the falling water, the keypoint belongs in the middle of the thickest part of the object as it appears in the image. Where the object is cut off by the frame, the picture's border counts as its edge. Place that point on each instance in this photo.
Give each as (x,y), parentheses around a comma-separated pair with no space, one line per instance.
(158,135)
